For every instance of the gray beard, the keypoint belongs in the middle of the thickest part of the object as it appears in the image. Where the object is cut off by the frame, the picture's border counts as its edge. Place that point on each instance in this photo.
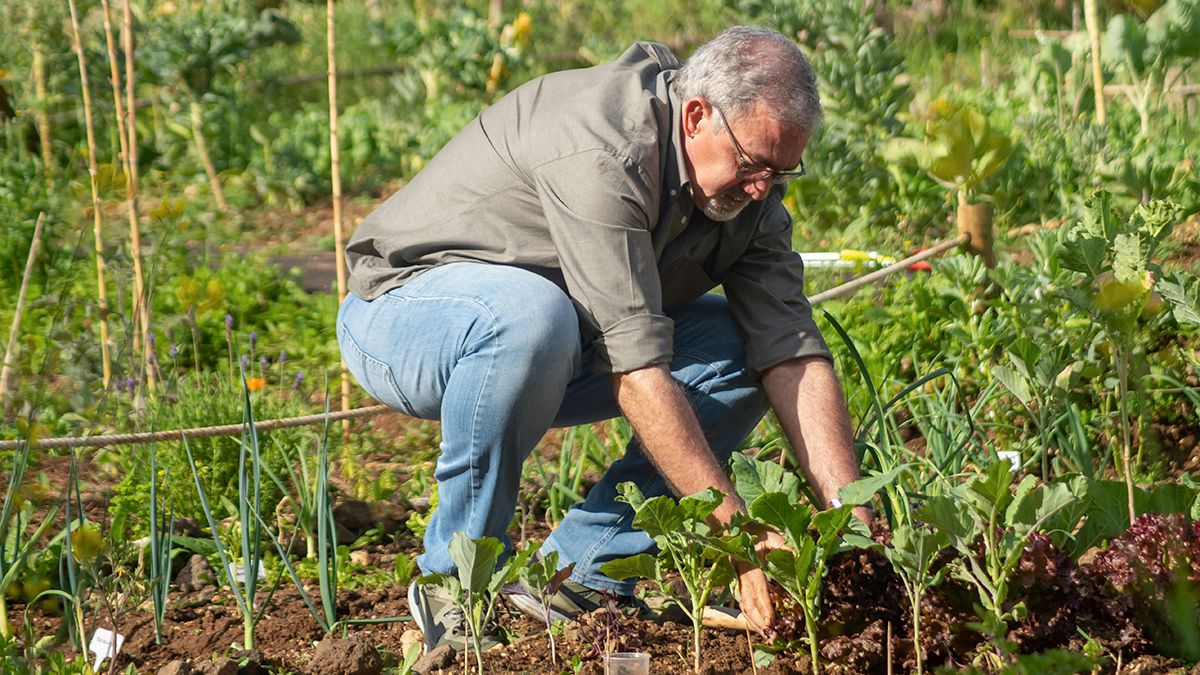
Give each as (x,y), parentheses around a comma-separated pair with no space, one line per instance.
(721,209)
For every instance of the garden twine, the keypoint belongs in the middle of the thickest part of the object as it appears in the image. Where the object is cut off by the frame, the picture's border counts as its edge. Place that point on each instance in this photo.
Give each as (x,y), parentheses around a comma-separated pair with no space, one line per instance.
(371,411)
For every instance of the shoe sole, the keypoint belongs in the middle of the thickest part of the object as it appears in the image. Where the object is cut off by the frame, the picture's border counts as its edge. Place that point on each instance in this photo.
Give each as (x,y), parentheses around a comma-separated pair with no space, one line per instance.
(531,607)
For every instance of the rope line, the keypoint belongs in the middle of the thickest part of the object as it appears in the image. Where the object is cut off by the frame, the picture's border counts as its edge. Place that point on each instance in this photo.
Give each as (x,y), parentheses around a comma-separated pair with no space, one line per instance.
(371,411)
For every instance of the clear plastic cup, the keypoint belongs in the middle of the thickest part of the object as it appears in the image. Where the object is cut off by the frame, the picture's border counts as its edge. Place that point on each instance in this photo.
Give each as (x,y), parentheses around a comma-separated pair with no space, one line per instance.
(627,663)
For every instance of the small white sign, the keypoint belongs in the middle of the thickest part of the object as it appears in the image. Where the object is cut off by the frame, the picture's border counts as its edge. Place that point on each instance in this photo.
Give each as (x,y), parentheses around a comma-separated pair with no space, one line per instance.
(1013,458)
(105,644)
(239,572)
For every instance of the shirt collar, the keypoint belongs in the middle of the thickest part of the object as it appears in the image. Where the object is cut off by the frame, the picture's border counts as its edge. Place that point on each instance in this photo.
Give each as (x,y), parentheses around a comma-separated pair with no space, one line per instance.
(676,180)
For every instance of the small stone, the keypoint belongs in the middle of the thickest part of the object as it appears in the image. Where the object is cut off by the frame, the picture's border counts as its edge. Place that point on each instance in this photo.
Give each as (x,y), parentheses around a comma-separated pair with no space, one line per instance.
(409,638)
(175,668)
(221,666)
(352,656)
(250,662)
(360,558)
(195,575)
(442,657)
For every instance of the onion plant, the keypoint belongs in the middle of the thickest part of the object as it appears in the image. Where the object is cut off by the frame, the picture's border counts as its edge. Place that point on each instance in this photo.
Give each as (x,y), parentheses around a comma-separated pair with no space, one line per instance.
(250,528)
(161,534)
(15,545)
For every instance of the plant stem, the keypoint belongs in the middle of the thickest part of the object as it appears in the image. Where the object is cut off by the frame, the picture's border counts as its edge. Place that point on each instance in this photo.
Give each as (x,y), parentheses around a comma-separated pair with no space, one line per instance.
(10,347)
(42,116)
(210,169)
(101,286)
(1092,18)
(1122,356)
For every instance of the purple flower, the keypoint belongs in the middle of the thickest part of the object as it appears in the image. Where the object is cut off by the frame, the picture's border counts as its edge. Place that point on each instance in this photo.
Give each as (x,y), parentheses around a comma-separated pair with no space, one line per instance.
(228,327)
(253,341)
(299,381)
(245,362)
(262,363)
(282,357)
(174,350)
(130,384)
(150,340)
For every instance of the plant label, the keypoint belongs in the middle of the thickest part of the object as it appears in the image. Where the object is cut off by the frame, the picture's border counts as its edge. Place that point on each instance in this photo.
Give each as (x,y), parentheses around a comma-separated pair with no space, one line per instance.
(105,644)
(239,572)
(1012,456)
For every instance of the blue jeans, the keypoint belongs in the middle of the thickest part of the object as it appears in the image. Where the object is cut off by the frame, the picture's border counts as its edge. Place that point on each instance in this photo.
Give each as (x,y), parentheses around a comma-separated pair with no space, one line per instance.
(494,352)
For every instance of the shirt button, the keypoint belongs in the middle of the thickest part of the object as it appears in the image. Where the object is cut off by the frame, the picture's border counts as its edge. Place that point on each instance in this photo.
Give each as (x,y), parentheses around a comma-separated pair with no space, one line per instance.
(683,221)
(674,192)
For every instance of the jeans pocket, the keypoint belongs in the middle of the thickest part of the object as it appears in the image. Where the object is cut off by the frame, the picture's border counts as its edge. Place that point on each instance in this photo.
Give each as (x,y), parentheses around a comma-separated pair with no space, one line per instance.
(374,375)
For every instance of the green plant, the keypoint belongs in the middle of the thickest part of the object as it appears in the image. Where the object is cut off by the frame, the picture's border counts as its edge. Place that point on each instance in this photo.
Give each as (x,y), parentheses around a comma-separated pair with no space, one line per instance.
(687,544)
(543,576)
(912,552)
(250,525)
(1116,256)
(988,525)
(960,150)
(16,544)
(478,581)
(800,568)
(1153,55)
(161,549)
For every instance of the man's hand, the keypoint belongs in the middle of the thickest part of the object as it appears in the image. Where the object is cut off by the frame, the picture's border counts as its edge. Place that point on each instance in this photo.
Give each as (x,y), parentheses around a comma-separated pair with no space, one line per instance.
(756,602)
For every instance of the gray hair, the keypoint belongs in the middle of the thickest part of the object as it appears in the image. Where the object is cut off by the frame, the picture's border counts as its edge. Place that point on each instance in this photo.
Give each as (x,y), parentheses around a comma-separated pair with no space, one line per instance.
(744,65)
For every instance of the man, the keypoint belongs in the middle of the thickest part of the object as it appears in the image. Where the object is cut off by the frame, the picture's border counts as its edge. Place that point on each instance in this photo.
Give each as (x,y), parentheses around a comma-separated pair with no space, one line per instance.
(551,267)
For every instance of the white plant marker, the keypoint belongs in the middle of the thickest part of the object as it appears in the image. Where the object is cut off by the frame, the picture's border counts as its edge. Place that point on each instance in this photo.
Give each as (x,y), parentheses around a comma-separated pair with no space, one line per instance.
(105,644)
(239,572)
(1013,458)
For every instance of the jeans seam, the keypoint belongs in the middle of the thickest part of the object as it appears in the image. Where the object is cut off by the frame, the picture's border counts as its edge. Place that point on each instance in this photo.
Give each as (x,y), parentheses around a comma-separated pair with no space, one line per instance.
(456,298)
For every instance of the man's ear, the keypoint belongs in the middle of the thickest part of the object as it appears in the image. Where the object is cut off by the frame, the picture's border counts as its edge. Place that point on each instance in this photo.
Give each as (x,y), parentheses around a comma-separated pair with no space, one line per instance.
(695,110)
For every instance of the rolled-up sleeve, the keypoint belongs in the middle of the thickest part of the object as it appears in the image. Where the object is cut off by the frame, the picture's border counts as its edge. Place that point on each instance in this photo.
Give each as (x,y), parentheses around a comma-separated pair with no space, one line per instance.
(597,205)
(765,288)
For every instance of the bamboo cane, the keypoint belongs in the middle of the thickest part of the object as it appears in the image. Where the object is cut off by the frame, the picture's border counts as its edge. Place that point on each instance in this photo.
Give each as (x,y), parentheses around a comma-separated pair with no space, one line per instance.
(210,169)
(141,329)
(131,119)
(10,347)
(1092,17)
(98,236)
(42,115)
(335,167)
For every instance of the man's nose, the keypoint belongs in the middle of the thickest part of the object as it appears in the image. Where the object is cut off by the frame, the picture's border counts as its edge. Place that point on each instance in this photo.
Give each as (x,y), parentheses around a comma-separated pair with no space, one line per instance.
(758,189)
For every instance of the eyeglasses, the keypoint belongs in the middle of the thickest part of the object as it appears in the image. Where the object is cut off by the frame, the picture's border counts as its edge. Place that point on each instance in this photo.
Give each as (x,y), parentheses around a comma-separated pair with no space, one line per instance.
(750,171)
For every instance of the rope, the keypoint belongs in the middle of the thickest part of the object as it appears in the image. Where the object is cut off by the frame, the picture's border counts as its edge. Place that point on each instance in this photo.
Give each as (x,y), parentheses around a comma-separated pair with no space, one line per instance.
(201,432)
(371,411)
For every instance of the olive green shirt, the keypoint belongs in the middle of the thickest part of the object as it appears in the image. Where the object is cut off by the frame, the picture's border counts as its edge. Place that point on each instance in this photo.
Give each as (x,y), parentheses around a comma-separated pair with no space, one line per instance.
(579,176)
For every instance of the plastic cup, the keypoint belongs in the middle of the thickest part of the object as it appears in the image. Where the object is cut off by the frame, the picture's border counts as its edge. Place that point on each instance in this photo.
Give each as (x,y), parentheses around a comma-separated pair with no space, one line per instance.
(627,663)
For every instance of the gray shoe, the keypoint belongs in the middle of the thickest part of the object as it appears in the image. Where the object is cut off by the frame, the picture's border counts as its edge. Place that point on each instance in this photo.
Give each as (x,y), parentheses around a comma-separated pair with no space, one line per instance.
(571,601)
(442,621)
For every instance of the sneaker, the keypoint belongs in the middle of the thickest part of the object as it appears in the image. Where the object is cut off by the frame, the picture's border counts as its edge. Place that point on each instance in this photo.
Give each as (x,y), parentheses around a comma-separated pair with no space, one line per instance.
(442,621)
(571,601)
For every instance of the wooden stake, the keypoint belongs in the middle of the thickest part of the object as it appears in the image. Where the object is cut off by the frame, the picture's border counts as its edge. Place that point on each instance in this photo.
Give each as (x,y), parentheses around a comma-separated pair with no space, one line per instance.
(335,167)
(1091,16)
(93,171)
(210,169)
(42,115)
(975,221)
(10,348)
(131,172)
(141,330)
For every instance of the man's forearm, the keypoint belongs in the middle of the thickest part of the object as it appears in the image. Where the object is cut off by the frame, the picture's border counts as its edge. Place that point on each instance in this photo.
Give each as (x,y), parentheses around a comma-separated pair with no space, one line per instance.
(671,436)
(811,408)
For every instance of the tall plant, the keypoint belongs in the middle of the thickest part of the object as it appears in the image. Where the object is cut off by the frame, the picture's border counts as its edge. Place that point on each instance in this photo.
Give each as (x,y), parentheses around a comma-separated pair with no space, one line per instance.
(1116,255)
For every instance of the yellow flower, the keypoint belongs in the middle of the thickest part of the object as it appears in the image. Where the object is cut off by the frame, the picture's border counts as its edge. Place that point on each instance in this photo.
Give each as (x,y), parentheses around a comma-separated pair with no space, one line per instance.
(255,383)
(86,543)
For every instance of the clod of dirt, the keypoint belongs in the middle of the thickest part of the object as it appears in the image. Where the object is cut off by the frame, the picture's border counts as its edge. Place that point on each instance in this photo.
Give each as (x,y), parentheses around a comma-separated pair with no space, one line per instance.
(352,656)
(176,668)
(249,662)
(221,666)
(442,657)
(354,514)
(195,575)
